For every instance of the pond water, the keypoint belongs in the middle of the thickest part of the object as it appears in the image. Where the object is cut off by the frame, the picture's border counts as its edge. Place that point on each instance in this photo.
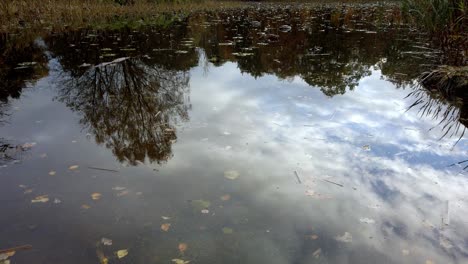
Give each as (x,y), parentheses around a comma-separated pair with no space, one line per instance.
(243,136)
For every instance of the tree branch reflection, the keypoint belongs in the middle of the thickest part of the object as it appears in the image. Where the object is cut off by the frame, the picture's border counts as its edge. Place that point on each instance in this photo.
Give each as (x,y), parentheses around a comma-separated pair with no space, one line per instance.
(130,106)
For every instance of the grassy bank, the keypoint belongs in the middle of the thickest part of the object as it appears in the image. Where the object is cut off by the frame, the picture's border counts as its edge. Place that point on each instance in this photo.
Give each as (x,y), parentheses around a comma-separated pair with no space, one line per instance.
(16,15)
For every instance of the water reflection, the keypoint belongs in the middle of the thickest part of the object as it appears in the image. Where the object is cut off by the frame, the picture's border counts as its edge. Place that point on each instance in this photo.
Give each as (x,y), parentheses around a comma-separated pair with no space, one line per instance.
(322,101)
(131,106)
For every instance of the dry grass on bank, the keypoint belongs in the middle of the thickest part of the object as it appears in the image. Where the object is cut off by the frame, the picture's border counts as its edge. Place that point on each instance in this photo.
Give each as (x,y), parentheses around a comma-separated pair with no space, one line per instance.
(16,15)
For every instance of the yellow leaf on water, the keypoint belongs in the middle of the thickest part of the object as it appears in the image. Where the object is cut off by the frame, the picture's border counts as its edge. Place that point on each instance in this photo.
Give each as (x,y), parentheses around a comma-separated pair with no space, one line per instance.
(40,199)
(85,207)
(96,196)
(313,237)
(165,227)
(429,262)
(73,167)
(231,174)
(180,261)
(182,247)
(52,173)
(122,253)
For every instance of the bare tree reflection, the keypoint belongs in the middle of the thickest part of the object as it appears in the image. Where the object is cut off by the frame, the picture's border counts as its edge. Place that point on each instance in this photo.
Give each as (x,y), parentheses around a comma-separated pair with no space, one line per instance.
(130,106)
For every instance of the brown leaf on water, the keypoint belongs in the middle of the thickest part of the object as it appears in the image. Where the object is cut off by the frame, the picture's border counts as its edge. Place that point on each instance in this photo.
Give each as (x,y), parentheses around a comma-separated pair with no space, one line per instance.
(40,199)
(165,227)
(226,197)
(429,261)
(96,196)
(73,167)
(182,247)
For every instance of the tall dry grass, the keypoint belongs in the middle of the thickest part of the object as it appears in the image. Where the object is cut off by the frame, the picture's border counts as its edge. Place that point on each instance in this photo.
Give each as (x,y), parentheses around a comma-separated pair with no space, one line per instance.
(15,15)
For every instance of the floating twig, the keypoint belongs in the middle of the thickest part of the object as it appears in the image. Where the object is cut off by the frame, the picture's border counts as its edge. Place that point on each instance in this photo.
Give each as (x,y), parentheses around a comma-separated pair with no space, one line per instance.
(101,169)
(297,177)
(338,184)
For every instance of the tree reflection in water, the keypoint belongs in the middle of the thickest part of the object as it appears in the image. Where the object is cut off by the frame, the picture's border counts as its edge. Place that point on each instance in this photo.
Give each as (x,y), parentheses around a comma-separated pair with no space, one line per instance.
(130,106)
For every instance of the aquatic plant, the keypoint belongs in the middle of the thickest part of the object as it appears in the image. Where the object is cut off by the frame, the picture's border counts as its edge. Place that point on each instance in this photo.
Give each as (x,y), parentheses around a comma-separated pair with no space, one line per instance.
(437,15)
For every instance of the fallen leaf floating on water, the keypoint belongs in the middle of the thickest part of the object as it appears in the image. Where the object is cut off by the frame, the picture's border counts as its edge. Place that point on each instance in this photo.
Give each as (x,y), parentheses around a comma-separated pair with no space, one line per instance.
(118,188)
(96,196)
(317,253)
(165,217)
(182,247)
(28,191)
(121,253)
(57,201)
(226,197)
(205,211)
(52,173)
(200,204)
(40,199)
(228,230)
(313,237)
(429,262)
(367,220)
(165,227)
(85,207)
(405,252)
(180,261)
(102,258)
(73,167)
(346,238)
(106,241)
(231,174)
(366,147)
(122,193)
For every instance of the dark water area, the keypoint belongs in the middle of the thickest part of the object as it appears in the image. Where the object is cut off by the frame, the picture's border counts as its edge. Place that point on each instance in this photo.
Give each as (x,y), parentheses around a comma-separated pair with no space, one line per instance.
(243,136)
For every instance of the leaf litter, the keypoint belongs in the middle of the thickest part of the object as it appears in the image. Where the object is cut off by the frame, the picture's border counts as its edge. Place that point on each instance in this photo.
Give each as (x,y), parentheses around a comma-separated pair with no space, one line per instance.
(231,174)
(345,238)
(121,253)
(40,199)
(96,196)
(73,167)
(106,241)
(182,247)
(165,227)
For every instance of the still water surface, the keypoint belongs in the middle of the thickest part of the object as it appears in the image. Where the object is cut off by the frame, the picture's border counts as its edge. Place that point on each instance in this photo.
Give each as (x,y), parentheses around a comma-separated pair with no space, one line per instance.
(229,138)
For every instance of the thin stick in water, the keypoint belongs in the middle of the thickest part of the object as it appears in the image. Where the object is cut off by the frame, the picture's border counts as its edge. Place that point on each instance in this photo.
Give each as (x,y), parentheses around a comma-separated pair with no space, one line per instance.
(338,184)
(297,177)
(96,168)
